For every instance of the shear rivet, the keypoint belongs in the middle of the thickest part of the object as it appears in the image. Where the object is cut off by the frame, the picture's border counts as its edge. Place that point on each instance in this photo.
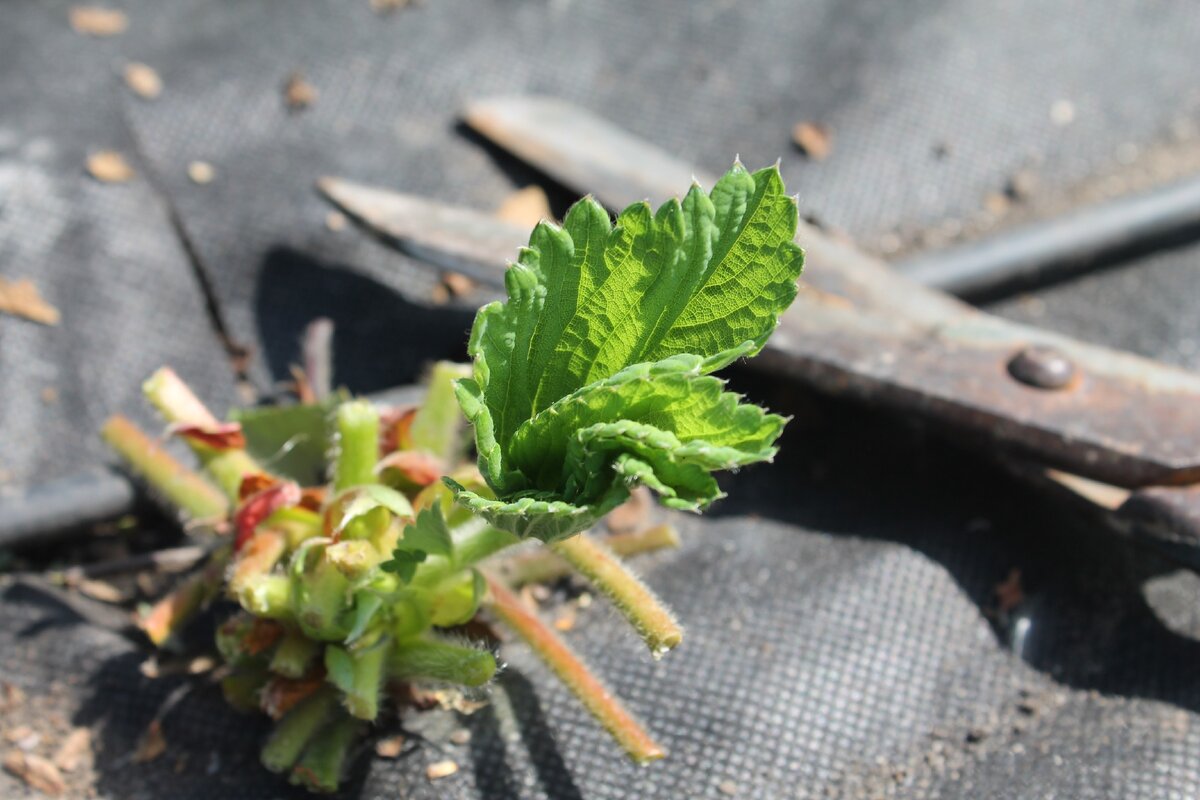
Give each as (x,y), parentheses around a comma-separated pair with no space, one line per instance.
(1042,367)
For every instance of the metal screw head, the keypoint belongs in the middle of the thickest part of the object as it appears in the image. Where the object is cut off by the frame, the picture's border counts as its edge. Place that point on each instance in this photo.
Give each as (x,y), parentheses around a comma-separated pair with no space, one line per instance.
(1042,367)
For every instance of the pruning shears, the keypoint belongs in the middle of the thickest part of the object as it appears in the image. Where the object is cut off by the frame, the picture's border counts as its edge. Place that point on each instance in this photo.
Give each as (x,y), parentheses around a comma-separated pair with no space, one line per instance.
(1115,432)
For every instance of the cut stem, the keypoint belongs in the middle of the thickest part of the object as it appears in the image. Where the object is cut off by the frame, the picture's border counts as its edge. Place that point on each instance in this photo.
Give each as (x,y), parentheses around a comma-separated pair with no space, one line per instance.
(320,768)
(176,609)
(294,731)
(358,445)
(185,489)
(645,612)
(179,405)
(543,566)
(595,696)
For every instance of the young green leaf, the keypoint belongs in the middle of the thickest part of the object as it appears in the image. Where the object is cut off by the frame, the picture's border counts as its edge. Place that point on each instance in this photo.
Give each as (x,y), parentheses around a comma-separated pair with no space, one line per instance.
(428,535)
(594,375)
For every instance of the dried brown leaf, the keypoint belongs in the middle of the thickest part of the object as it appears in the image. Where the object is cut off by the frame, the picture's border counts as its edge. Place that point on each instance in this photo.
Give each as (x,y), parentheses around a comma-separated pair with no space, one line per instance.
(814,139)
(152,744)
(73,750)
(143,80)
(109,166)
(21,298)
(525,207)
(298,93)
(98,21)
(390,747)
(39,773)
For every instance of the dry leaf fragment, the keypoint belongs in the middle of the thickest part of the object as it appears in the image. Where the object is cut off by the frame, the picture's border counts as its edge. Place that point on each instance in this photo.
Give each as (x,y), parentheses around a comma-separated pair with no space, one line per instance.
(441,769)
(389,747)
(458,284)
(299,93)
(152,744)
(22,299)
(814,139)
(109,166)
(525,207)
(201,172)
(36,771)
(11,697)
(143,80)
(73,749)
(98,21)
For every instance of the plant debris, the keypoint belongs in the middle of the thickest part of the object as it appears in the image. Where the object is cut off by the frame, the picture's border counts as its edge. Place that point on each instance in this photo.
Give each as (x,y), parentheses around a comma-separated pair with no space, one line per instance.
(814,140)
(143,80)
(73,750)
(526,207)
(21,298)
(441,769)
(391,747)
(109,166)
(39,773)
(152,744)
(98,21)
(298,93)
(201,172)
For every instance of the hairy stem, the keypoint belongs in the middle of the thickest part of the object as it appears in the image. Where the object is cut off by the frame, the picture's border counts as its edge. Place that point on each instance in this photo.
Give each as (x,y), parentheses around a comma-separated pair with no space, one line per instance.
(294,654)
(543,566)
(178,404)
(596,698)
(431,659)
(645,612)
(358,445)
(185,489)
(359,674)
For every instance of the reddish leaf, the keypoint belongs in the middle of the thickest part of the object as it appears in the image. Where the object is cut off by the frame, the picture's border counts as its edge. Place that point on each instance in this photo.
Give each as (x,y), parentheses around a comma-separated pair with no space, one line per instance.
(415,468)
(394,427)
(222,436)
(255,482)
(261,505)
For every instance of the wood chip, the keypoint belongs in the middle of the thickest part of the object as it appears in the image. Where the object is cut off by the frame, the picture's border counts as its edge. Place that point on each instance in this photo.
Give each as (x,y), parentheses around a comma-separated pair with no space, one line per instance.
(201,172)
(21,298)
(525,207)
(73,750)
(441,769)
(459,285)
(152,744)
(390,747)
(814,139)
(97,21)
(143,80)
(298,93)
(335,221)
(460,737)
(39,773)
(109,166)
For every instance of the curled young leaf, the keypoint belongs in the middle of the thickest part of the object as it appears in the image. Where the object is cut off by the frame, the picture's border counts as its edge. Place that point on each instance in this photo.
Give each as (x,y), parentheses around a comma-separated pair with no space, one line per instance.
(594,376)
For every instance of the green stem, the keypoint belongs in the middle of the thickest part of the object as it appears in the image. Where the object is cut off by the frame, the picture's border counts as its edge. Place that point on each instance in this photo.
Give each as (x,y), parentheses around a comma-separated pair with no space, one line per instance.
(645,612)
(294,731)
(320,768)
(430,659)
(178,404)
(358,445)
(595,696)
(241,688)
(295,653)
(185,489)
(469,550)
(267,596)
(543,566)
(320,596)
(359,674)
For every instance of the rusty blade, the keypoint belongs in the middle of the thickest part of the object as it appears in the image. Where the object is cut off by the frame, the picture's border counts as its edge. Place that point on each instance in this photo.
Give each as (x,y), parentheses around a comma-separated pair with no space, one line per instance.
(860,329)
